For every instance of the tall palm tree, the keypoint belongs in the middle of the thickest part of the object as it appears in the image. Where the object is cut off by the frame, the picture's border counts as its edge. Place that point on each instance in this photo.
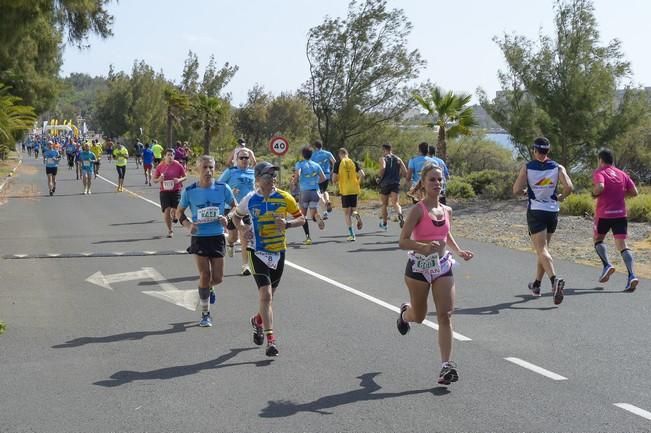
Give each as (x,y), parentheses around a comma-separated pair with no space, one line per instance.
(177,103)
(13,118)
(449,114)
(207,115)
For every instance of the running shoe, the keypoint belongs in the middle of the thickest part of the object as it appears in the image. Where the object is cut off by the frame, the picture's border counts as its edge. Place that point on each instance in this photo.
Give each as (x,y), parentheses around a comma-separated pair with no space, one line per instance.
(325,215)
(448,373)
(320,222)
(229,250)
(307,241)
(401,220)
(206,321)
(272,350)
(51,191)
(606,273)
(631,284)
(246,270)
(557,290)
(258,335)
(403,325)
(358,217)
(170,234)
(351,238)
(149,183)
(329,207)
(384,226)
(535,290)
(213,298)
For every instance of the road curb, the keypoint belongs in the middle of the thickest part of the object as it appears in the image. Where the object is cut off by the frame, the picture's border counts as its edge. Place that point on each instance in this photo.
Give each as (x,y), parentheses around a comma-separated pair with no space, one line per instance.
(10,176)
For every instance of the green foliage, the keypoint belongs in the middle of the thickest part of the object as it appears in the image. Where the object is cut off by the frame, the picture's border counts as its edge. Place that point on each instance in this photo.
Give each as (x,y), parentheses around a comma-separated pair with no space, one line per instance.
(474,153)
(639,208)
(451,115)
(565,88)
(359,70)
(458,188)
(492,183)
(371,176)
(578,204)
(3,328)
(14,119)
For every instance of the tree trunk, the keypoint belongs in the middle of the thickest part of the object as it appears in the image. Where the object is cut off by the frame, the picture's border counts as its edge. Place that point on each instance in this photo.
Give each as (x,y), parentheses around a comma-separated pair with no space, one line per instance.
(170,121)
(206,140)
(441,145)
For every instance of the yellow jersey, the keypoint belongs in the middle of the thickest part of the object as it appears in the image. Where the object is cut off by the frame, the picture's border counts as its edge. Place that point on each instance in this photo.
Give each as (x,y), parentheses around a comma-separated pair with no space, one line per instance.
(347,177)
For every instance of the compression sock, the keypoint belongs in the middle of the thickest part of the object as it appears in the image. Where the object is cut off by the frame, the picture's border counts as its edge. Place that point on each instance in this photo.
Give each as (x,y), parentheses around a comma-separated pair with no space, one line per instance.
(204,299)
(306,229)
(627,256)
(602,252)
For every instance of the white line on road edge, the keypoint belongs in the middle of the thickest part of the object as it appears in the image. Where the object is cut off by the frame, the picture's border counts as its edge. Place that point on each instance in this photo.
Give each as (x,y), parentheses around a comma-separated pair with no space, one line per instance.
(130,192)
(377,301)
(634,409)
(373,299)
(536,369)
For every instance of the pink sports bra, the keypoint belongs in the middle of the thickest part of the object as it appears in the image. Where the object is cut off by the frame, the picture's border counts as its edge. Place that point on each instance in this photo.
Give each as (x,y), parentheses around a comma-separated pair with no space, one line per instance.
(429,229)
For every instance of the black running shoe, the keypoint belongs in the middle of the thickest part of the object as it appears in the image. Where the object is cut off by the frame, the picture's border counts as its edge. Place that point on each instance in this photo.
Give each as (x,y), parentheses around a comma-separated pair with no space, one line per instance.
(403,326)
(557,290)
(401,220)
(448,373)
(258,335)
(272,350)
(535,290)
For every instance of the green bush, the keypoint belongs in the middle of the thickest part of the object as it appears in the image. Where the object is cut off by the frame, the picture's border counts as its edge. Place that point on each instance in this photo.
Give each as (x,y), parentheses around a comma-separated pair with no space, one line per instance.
(458,188)
(2,327)
(492,183)
(639,208)
(371,177)
(578,204)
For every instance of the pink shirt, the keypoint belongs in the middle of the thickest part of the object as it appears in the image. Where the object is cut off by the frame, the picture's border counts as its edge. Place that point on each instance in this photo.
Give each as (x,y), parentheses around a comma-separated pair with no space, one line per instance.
(169,172)
(610,203)
(429,229)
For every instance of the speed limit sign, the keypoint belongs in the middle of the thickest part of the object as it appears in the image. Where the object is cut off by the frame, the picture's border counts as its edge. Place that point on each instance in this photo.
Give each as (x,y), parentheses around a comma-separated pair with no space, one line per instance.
(278,145)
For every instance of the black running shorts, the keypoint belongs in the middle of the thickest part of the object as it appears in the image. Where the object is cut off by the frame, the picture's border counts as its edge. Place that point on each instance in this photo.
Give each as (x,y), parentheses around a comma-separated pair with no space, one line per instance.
(619,226)
(208,246)
(263,274)
(51,170)
(388,189)
(349,200)
(323,186)
(169,199)
(541,220)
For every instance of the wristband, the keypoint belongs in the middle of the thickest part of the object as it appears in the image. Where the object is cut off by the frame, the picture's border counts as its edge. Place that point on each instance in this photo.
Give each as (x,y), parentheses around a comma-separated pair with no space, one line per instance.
(183,218)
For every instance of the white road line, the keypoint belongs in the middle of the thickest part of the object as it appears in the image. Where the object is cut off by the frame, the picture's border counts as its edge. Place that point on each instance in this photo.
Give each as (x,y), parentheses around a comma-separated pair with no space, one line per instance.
(634,409)
(373,299)
(130,192)
(377,301)
(536,369)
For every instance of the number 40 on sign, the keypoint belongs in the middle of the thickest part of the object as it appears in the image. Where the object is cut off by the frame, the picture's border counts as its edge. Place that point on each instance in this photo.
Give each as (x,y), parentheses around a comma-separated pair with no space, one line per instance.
(278,145)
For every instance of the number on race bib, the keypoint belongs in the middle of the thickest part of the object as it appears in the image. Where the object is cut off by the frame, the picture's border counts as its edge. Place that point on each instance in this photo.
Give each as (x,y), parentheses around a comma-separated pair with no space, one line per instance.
(168,185)
(207,214)
(427,263)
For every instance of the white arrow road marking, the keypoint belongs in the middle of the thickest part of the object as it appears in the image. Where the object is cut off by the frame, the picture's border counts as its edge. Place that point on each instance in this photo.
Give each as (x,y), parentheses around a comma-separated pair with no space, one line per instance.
(183,298)
(105,281)
(536,369)
(634,409)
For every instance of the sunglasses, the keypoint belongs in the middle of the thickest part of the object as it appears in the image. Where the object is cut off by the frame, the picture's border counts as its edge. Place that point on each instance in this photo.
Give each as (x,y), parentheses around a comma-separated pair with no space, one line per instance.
(244,157)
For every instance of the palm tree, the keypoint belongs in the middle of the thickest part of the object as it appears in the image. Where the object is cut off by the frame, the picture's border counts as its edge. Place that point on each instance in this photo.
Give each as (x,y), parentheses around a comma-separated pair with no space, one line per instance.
(207,115)
(450,115)
(13,118)
(177,103)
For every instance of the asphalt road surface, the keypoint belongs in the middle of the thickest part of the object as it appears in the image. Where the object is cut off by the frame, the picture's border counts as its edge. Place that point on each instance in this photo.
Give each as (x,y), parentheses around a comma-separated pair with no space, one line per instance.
(101,333)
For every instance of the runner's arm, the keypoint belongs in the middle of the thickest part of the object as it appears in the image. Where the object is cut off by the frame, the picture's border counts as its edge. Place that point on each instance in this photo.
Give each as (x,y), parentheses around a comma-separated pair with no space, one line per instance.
(520,182)
(565,181)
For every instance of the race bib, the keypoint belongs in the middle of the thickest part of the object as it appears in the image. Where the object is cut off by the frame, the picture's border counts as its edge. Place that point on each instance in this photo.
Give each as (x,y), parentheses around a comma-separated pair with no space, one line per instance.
(51,161)
(168,185)
(429,264)
(207,214)
(122,160)
(269,259)
(85,163)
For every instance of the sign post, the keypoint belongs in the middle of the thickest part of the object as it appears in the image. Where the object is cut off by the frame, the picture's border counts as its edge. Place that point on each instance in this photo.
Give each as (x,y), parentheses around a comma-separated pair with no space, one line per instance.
(278,145)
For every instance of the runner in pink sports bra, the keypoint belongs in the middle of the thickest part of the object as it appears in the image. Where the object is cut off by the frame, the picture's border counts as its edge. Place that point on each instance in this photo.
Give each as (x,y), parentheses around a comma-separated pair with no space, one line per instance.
(425,236)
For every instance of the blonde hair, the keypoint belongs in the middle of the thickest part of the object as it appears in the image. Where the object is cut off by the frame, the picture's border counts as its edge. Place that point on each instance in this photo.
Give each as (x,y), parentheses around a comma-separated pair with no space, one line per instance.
(420,186)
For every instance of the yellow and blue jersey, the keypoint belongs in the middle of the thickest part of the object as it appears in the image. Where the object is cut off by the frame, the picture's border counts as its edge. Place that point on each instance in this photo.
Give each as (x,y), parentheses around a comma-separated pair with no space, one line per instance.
(263,212)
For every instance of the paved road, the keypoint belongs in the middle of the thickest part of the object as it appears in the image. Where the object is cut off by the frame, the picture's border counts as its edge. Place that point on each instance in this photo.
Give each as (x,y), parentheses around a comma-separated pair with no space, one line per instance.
(81,357)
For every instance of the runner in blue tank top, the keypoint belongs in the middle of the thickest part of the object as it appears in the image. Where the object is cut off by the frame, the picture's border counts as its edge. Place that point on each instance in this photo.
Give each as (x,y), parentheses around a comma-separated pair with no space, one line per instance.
(541,177)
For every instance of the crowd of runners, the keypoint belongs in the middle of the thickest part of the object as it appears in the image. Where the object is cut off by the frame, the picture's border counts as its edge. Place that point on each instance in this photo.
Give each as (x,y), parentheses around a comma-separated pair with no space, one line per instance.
(245,204)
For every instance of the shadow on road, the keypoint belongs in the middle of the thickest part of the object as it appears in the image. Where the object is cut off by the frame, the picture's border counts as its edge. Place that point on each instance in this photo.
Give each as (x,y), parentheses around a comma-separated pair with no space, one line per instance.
(128,336)
(133,223)
(496,308)
(172,280)
(126,376)
(119,241)
(367,392)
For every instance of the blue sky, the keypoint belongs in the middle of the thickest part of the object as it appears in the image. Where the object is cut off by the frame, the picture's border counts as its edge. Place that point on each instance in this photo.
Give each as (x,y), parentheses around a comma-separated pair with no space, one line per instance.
(266,39)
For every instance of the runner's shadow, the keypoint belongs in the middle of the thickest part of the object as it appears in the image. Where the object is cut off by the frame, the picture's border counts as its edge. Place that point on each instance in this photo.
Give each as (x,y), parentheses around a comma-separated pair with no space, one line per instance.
(76,194)
(496,308)
(169,280)
(126,376)
(372,250)
(128,336)
(120,241)
(367,392)
(133,223)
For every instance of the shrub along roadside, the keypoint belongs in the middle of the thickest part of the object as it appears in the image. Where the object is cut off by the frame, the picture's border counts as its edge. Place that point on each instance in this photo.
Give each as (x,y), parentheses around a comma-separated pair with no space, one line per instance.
(2,327)
(639,208)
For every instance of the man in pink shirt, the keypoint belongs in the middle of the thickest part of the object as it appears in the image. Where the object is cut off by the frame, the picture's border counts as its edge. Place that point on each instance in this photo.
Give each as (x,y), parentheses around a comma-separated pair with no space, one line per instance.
(611,187)
(170,174)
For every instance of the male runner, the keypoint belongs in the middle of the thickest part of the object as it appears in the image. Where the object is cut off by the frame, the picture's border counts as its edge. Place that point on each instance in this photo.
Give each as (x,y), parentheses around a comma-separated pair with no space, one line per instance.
(170,174)
(147,162)
(51,160)
(391,170)
(309,175)
(86,160)
(327,161)
(347,173)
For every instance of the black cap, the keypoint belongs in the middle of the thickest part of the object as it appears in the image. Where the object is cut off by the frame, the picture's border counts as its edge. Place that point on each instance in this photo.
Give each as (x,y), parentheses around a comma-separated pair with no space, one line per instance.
(541,143)
(241,142)
(265,167)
